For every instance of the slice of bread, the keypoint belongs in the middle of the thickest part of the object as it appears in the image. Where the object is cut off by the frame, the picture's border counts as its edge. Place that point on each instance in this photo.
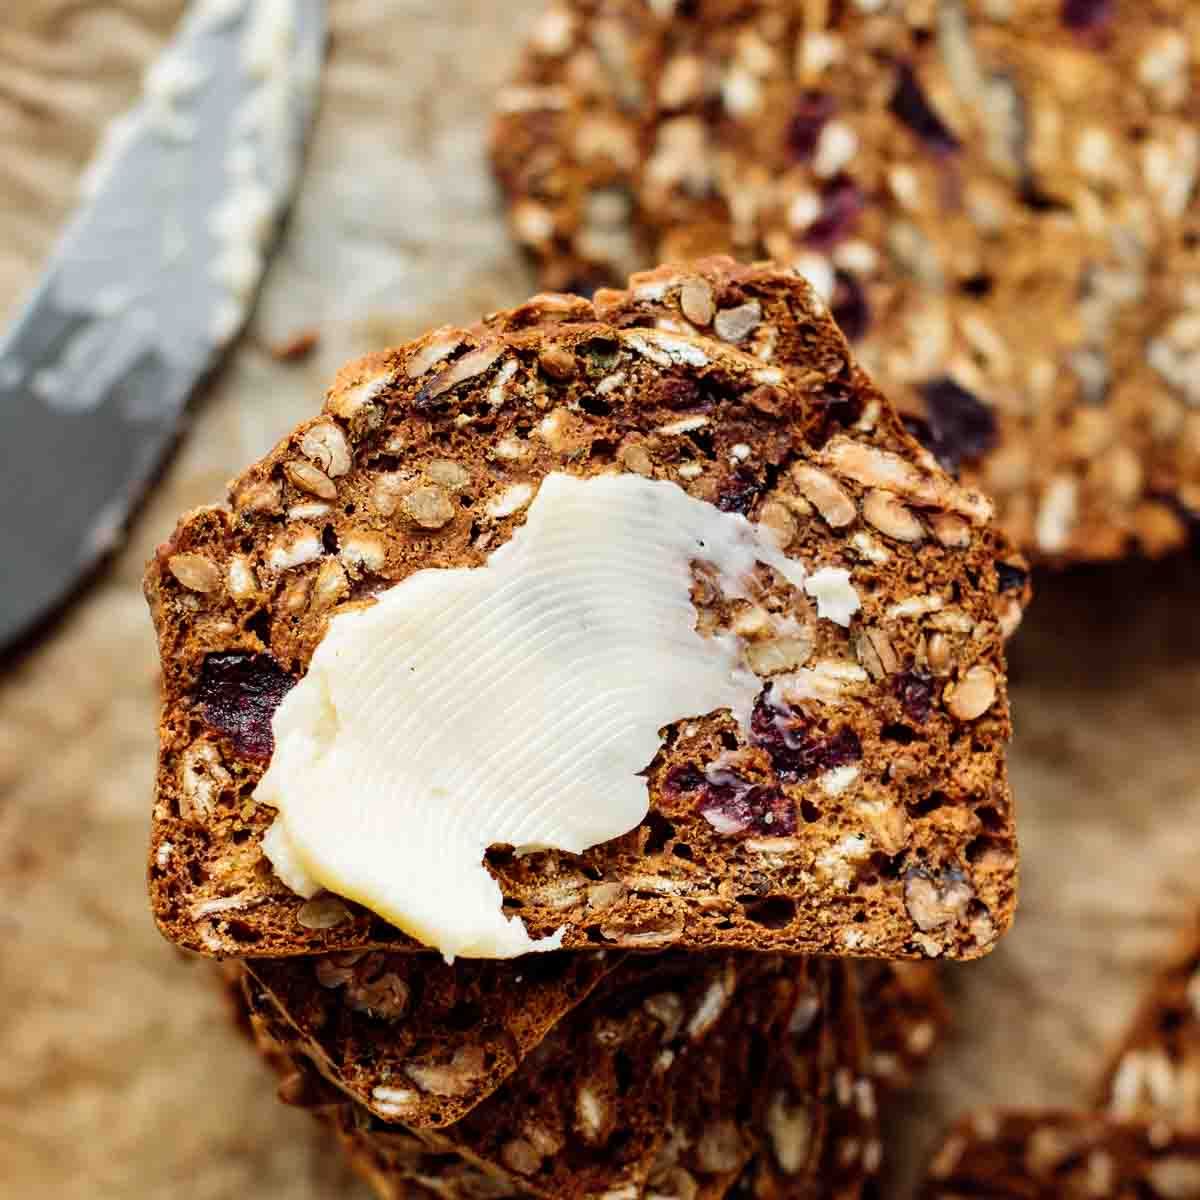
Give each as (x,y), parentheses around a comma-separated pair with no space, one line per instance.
(865,809)
(1055,1155)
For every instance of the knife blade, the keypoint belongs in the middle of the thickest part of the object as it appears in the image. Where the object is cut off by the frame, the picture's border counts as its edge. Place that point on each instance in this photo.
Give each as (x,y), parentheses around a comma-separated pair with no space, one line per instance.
(152,280)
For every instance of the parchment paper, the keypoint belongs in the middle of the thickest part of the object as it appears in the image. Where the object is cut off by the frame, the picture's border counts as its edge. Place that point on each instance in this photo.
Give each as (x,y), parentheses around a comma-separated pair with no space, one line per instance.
(119,1075)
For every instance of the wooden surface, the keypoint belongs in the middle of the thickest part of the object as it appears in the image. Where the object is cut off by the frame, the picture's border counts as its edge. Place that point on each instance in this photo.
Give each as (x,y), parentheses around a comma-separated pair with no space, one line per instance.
(121,1078)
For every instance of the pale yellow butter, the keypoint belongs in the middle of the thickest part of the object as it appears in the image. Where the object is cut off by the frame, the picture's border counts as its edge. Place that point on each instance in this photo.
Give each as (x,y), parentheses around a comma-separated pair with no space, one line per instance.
(512,703)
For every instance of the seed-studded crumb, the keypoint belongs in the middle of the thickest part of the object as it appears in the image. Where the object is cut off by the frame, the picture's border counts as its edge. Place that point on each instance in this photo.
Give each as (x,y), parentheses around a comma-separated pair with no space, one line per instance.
(865,809)
(1063,1156)
(591,1111)
(413,1039)
(820,1136)
(999,201)
(1155,1074)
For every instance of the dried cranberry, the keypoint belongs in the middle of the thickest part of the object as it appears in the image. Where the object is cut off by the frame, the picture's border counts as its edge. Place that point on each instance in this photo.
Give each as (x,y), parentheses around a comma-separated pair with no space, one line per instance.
(238,695)
(730,803)
(914,689)
(840,750)
(910,105)
(841,203)
(809,114)
(740,493)
(960,425)
(849,306)
(1009,577)
(1086,16)
(796,749)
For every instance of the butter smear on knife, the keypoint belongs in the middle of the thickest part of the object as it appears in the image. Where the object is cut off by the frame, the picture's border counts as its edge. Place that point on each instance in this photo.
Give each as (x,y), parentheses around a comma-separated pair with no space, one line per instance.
(513,703)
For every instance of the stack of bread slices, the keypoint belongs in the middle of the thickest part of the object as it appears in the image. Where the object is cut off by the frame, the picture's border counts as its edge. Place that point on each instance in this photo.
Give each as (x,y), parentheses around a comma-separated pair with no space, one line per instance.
(707,1023)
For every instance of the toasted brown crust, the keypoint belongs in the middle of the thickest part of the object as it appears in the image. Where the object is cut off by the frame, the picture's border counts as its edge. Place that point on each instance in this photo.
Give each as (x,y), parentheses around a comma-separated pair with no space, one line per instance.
(999,196)
(1064,1156)
(916,856)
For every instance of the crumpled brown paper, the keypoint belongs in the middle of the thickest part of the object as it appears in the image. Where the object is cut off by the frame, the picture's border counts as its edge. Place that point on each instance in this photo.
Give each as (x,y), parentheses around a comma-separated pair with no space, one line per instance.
(121,1078)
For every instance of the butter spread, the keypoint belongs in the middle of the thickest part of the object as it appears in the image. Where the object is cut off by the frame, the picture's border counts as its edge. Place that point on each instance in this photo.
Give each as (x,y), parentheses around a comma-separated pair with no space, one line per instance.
(513,703)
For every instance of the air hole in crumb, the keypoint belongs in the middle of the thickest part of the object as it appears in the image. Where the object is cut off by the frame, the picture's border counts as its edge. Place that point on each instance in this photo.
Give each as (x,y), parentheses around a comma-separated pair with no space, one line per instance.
(775,912)
(260,625)
(990,818)
(196,873)
(927,804)
(682,850)
(728,739)
(809,811)
(350,510)
(899,733)
(329,540)
(860,918)
(702,439)
(240,836)
(977,286)
(659,831)
(603,450)
(241,932)
(597,406)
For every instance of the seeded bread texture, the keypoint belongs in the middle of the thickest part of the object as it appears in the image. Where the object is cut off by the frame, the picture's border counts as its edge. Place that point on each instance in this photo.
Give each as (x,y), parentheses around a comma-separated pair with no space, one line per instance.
(587,1111)
(998,200)
(1064,1156)
(1155,1074)
(448,1036)
(867,812)
(674,1045)
(836,1138)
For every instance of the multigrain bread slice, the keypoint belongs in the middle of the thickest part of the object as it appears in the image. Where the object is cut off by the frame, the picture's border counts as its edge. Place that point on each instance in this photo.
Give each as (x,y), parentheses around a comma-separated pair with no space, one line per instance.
(998,200)
(379,1023)
(589,1113)
(1064,1156)
(782,1083)
(1155,1074)
(865,811)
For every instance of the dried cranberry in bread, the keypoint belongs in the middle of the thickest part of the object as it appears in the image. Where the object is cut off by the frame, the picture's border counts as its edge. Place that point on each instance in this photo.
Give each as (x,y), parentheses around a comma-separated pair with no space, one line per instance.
(863,809)
(1031,1155)
(414,1039)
